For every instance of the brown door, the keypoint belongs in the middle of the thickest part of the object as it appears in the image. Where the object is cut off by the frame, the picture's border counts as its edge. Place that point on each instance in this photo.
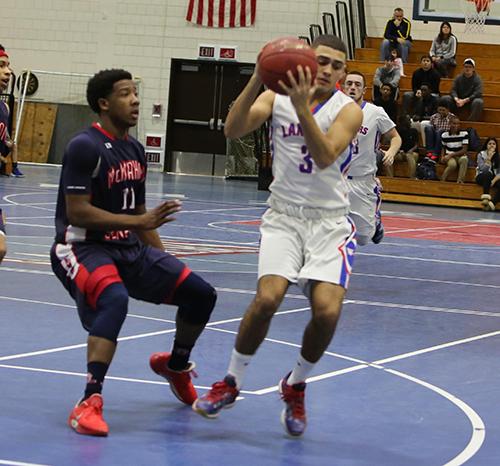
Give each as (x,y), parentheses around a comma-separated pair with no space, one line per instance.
(200,95)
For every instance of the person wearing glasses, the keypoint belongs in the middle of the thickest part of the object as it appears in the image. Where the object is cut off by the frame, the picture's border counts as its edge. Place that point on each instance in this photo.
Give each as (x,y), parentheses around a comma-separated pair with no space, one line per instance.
(306,236)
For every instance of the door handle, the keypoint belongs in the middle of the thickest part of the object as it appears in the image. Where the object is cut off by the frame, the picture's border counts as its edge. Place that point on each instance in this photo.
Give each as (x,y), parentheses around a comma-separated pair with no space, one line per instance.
(211,123)
(220,124)
(194,122)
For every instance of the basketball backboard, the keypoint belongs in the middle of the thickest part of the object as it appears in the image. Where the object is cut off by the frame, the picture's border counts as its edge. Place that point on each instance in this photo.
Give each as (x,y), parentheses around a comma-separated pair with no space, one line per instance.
(449,10)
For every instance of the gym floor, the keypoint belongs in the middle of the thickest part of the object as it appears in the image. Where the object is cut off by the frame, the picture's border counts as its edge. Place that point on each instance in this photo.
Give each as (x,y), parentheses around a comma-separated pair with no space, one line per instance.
(411,378)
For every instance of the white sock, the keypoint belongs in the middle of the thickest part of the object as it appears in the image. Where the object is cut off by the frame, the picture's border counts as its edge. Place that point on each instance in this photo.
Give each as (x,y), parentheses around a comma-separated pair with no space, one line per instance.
(238,365)
(300,371)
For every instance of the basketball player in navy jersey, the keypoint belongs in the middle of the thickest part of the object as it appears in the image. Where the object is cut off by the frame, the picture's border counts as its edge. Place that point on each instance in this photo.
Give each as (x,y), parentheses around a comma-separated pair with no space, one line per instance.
(306,236)
(7,147)
(107,247)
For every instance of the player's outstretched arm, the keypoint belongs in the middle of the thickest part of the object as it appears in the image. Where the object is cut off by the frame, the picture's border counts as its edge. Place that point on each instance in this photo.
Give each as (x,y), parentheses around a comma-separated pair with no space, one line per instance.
(81,213)
(248,111)
(326,148)
(394,146)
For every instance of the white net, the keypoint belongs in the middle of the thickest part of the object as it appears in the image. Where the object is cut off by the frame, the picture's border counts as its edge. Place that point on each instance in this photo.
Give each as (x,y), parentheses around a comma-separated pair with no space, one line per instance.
(475,20)
(58,88)
(65,91)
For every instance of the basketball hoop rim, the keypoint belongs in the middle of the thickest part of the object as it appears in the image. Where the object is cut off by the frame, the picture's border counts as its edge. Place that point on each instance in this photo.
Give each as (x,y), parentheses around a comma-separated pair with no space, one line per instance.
(486,7)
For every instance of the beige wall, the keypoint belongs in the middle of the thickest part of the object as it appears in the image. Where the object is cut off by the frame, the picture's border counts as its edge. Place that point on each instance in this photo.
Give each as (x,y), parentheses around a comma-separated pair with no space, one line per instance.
(83,36)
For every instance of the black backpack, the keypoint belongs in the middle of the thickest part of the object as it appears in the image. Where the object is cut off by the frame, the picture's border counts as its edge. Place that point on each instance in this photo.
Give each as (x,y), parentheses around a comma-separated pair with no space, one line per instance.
(426,170)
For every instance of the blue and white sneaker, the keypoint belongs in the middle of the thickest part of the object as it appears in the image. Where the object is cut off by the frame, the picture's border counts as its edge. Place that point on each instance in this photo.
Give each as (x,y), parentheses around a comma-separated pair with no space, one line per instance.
(17,173)
(293,416)
(379,233)
(223,394)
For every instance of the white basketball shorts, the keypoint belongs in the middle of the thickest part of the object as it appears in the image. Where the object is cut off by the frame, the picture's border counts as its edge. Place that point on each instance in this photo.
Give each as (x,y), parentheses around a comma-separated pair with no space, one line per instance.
(303,249)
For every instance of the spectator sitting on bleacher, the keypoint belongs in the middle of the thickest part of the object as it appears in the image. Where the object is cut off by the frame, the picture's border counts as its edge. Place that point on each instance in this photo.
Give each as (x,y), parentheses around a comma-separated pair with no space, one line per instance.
(408,151)
(467,91)
(387,74)
(454,152)
(386,101)
(444,50)
(425,74)
(438,124)
(425,106)
(398,63)
(397,34)
(488,173)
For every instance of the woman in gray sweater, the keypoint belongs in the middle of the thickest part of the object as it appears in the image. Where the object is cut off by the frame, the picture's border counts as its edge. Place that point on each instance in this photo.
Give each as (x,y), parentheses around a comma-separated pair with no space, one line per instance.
(488,173)
(444,49)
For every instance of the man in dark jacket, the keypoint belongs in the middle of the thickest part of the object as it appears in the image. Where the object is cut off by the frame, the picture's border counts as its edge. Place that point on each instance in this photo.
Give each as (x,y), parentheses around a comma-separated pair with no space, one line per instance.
(396,34)
(426,74)
(387,102)
(467,91)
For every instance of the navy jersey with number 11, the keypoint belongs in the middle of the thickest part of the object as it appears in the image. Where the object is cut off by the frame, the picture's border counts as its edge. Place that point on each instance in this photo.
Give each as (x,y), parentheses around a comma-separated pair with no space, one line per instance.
(112,171)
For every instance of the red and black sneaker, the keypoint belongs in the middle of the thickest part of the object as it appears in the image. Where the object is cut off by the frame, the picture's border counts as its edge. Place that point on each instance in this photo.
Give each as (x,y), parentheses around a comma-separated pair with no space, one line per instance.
(180,381)
(86,417)
(293,416)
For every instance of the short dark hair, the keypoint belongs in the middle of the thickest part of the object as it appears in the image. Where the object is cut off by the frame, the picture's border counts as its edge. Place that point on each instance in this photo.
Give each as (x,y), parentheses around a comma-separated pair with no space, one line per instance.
(357,73)
(389,85)
(101,85)
(444,102)
(425,56)
(329,40)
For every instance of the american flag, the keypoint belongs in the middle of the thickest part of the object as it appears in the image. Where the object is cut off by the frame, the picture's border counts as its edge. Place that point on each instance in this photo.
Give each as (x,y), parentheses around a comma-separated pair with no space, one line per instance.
(222,13)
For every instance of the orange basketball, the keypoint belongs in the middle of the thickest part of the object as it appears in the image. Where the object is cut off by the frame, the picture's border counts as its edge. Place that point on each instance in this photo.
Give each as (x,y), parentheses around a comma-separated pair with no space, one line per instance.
(281,55)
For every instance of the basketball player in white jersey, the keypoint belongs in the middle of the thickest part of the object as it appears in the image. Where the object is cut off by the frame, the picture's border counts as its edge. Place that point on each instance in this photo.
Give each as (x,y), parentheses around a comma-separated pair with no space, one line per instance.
(306,236)
(364,187)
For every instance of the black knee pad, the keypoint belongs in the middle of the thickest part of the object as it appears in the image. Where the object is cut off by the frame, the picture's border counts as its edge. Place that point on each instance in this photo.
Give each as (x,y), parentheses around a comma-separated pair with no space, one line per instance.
(111,310)
(196,300)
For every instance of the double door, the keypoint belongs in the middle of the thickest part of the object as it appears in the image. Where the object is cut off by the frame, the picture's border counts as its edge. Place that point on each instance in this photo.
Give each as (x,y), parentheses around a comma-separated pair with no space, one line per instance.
(200,95)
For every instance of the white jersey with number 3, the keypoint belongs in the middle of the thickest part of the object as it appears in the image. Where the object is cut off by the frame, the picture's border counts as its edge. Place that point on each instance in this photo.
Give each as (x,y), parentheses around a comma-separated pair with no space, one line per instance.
(364,148)
(297,179)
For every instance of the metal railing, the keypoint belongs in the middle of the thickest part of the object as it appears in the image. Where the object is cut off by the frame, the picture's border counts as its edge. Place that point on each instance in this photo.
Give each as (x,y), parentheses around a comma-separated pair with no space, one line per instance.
(348,23)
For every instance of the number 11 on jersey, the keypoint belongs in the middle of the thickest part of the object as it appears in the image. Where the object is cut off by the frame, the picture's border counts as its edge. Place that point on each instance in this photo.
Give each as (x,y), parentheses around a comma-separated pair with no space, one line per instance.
(128,199)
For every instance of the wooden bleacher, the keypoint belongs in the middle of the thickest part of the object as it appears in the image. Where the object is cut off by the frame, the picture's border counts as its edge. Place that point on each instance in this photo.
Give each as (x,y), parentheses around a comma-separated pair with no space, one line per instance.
(449,193)
(482,64)
(465,48)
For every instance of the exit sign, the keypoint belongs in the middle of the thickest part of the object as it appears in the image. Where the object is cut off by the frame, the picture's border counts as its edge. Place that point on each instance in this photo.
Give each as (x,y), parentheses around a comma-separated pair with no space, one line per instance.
(208,52)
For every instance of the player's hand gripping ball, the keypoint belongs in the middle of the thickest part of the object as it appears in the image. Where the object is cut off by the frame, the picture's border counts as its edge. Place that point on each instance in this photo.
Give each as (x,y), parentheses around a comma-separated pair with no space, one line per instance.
(281,55)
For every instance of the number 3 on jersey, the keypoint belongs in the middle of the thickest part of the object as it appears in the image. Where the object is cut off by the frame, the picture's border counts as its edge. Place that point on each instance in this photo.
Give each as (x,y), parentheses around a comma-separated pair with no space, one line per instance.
(307,166)
(355,147)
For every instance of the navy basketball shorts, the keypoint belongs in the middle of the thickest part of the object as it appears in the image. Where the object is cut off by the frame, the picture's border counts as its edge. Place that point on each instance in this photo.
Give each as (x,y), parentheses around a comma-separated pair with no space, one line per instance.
(87,269)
